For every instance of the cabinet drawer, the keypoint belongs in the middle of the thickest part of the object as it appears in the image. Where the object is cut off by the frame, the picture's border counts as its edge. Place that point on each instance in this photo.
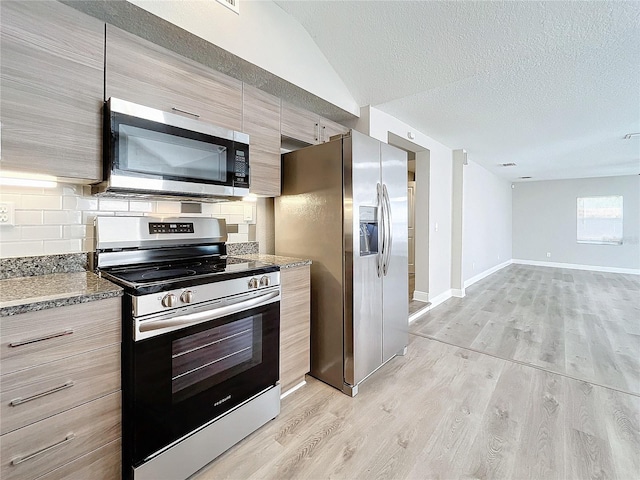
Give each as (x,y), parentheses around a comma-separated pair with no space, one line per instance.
(36,393)
(104,463)
(34,338)
(39,448)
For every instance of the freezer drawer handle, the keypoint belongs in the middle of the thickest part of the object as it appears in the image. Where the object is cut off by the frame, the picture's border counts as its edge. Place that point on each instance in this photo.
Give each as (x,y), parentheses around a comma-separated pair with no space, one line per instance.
(20,400)
(40,339)
(19,460)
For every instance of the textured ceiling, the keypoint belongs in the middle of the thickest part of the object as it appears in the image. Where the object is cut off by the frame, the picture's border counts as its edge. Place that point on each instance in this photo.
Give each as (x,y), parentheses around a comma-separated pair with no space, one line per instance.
(551,86)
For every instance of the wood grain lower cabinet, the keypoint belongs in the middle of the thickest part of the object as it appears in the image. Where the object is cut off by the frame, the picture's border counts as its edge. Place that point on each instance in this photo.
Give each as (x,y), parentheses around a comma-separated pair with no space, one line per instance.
(261,120)
(60,392)
(295,325)
(144,73)
(51,90)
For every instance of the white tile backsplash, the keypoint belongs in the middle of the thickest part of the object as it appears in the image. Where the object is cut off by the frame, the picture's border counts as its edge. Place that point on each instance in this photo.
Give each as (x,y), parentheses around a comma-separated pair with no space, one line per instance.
(168,207)
(41,232)
(29,217)
(60,220)
(113,205)
(41,202)
(63,217)
(21,249)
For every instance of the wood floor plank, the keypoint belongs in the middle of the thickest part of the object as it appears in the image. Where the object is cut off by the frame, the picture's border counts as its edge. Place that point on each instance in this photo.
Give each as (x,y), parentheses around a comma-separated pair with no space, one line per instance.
(622,417)
(492,454)
(541,447)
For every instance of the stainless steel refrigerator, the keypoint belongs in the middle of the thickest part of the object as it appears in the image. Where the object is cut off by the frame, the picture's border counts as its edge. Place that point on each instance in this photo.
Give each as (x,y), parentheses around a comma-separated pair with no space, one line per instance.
(344,206)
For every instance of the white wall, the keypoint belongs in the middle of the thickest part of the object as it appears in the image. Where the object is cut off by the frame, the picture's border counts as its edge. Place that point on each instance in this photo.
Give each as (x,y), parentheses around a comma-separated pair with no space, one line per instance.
(263,34)
(60,220)
(438,268)
(487,225)
(544,220)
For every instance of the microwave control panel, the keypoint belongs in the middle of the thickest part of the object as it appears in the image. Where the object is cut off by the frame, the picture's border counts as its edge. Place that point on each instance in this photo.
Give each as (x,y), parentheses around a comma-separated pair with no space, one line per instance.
(241,169)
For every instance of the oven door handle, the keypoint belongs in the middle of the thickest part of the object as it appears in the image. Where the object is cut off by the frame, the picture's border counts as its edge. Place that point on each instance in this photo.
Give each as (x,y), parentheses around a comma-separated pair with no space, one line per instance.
(151,328)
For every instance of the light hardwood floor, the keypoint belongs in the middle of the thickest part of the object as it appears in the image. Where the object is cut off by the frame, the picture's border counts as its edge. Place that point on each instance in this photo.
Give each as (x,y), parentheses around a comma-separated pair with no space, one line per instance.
(578,323)
(445,412)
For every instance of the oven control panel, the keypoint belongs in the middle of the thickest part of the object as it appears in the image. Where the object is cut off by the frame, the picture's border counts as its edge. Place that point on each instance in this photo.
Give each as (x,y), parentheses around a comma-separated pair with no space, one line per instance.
(195,295)
(170,227)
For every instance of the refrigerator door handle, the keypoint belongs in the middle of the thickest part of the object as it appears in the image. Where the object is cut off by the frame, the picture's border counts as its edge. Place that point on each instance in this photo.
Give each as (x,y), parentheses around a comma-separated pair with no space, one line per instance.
(388,223)
(381,241)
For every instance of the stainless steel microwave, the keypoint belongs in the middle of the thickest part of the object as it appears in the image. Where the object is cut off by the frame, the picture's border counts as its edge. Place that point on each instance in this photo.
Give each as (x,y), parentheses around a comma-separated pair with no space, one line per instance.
(152,153)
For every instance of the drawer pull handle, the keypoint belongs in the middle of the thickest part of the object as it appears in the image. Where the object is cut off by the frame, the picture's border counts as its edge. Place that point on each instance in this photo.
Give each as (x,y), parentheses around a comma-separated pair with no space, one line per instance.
(19,400)
(19,460)
(40,339)
(184,111)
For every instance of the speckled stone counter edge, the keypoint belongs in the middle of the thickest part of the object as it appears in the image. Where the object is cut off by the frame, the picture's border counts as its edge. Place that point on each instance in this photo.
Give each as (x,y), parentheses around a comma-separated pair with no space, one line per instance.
(61,302)
(42,265)
(281,261)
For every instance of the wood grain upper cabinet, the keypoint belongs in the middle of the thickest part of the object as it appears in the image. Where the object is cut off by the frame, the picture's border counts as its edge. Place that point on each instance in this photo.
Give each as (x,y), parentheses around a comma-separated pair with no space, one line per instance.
(52,82)
(299,124)
(147,74)
(328,129)
(295,325)
(261,120)
(308,127)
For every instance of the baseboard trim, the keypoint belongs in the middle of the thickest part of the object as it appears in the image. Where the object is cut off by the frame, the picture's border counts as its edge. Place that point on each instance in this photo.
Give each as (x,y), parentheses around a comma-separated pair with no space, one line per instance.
(293,389)
(443,297)
(421,296)
(486,273)
(575,266)
(458,293)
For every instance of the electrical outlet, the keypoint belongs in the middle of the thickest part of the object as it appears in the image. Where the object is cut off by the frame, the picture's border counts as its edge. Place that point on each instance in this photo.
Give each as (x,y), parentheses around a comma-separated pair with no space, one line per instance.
(548,254)
(7,214)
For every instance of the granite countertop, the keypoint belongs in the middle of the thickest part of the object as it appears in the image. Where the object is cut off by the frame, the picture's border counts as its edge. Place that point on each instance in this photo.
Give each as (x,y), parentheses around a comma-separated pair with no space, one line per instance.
(39,292)
(282,262)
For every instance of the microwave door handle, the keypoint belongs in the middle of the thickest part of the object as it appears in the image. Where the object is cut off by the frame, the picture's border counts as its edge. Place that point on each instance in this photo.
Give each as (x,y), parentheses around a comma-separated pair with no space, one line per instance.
(151,328)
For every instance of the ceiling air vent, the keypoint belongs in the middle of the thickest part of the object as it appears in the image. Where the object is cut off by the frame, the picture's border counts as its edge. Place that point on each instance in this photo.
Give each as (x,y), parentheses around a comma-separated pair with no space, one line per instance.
(507,164)
(524,178)
(231,5)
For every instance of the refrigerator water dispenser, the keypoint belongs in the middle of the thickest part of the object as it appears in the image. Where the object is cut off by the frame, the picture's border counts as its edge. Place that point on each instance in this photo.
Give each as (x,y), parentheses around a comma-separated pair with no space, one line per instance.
(368,230)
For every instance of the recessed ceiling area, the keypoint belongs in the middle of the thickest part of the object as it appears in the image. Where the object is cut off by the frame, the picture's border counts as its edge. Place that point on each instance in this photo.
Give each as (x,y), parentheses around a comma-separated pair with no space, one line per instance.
(550,86)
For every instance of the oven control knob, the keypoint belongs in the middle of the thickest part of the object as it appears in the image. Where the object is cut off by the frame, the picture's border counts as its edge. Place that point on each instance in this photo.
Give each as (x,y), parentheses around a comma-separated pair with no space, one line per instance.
(187,296)
(169,300)
(264,281)
(253,283)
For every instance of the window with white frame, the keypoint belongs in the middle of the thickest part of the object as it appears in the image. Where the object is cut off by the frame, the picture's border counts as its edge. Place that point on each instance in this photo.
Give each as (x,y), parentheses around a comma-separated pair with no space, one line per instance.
(600,220)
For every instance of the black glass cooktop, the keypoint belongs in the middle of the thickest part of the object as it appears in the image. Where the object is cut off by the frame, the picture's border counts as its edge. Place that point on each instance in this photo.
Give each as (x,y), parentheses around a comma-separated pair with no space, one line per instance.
(179,274)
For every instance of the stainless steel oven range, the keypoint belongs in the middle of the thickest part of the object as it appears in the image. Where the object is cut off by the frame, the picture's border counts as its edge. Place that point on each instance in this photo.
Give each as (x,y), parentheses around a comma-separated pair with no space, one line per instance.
(200,341)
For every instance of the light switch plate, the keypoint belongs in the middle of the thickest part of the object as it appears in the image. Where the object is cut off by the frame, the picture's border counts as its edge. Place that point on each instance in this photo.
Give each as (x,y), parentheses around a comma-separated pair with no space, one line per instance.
(248,213)
(7,214)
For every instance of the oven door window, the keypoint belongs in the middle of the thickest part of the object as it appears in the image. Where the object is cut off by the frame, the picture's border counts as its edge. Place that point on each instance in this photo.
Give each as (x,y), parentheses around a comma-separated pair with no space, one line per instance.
(151,149)
(205,359)
(183,379)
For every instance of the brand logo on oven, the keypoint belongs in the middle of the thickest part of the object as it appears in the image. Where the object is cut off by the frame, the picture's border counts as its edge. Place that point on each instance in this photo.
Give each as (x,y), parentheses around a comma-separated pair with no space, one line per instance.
(220,402)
